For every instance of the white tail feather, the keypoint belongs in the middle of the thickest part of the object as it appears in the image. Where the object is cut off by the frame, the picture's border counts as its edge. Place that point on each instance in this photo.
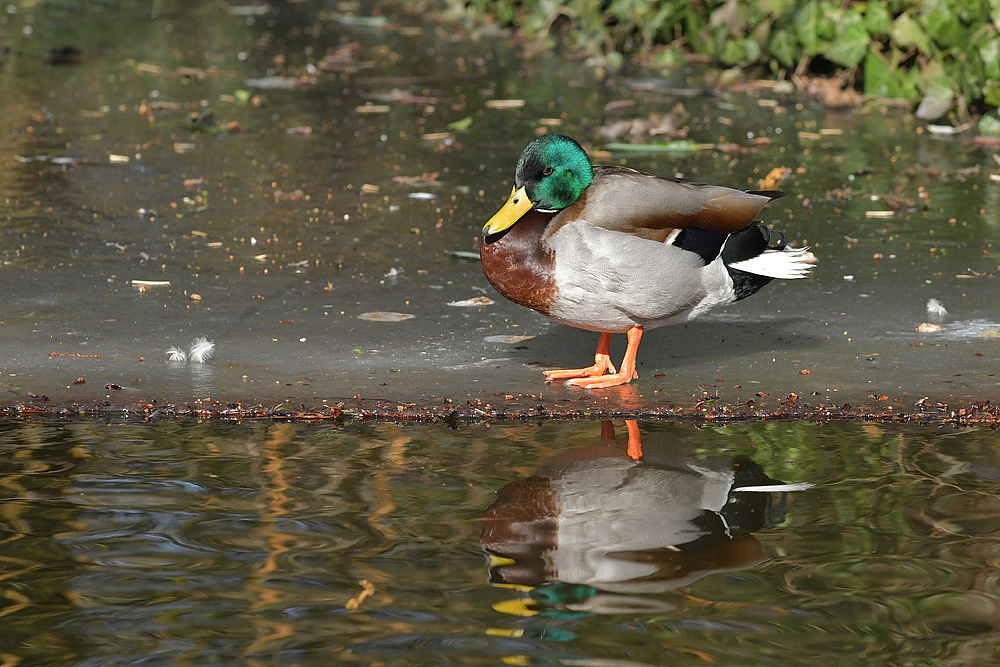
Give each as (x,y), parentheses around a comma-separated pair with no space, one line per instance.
(787,263)
(776,488)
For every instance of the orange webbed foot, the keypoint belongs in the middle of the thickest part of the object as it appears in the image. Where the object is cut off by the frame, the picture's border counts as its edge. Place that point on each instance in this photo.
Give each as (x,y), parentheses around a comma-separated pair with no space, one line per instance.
(612,380)
(600,367)
(627,373)
(602,364)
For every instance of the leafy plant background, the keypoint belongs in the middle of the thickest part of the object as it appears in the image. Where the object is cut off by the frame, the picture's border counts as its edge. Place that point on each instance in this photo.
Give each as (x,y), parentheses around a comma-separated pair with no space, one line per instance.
(942,55)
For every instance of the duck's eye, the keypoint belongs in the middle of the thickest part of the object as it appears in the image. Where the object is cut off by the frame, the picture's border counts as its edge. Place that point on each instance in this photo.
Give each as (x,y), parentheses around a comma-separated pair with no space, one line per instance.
(547,171)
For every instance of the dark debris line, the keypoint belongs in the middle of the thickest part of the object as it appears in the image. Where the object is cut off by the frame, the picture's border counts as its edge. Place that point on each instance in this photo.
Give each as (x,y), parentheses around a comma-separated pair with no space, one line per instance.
(362,410)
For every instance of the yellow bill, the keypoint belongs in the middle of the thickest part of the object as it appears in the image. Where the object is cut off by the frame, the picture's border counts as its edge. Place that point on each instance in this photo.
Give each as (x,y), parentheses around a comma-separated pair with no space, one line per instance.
(517,205)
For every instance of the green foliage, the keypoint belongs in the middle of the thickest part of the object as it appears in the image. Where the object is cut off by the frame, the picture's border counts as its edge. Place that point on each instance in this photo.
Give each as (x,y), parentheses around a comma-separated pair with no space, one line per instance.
(941,52)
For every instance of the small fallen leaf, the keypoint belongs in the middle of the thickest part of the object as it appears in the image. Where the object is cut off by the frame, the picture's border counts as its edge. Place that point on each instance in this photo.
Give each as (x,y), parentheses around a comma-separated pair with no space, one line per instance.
(677,147)
(426,177)
(461,125)
(373,108)
(504,104)
(272,83)
(141,284)
(385,316)
(475,301)
(774,178)
(366,590)
(508,339)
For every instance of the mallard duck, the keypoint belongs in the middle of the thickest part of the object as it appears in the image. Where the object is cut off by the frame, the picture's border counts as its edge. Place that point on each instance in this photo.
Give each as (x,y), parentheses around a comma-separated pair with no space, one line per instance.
(615,250)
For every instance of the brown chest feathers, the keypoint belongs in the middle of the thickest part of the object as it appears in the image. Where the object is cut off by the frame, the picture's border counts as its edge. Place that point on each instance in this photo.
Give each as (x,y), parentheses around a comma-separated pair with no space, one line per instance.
(519,266)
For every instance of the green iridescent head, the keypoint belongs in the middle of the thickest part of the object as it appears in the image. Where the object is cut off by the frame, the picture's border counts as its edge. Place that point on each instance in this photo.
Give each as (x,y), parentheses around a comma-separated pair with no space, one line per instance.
(552,174)
(554,171)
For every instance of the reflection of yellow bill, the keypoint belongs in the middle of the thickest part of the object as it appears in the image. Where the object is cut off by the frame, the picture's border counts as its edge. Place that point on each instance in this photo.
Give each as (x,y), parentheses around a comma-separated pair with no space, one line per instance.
(517,205)
(518,607)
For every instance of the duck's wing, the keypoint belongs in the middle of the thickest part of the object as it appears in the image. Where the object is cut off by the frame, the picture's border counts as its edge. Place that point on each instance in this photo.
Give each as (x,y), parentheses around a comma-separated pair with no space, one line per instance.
(640,204)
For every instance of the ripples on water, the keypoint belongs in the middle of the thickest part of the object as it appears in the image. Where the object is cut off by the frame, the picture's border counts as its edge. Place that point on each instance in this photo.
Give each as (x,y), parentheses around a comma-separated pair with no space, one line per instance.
(261,543)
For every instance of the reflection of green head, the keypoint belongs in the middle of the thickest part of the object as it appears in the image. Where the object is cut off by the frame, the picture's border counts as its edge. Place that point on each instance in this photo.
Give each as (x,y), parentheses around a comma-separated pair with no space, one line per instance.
(554,171)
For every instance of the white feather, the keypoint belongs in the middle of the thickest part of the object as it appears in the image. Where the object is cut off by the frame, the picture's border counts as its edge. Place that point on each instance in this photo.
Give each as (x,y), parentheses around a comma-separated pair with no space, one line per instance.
(176,354)
(788,263)
(936,309)
(201,349)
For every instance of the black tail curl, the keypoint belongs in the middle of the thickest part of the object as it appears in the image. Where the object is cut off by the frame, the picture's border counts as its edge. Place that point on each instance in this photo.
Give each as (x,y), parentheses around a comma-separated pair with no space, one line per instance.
(747,244)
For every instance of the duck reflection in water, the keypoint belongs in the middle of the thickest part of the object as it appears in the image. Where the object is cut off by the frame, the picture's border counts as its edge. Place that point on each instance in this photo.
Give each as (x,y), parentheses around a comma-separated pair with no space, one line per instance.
(598,526)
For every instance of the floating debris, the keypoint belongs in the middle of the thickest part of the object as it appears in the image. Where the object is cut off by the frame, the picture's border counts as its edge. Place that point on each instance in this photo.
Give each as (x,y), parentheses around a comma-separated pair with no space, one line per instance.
(775,178)
(201,349)
(248,10)
(947,130)
(46,158)
(465,254)
(423,196)
(272,83)
(474,301)
(437,136)
(426,178)
(385,316)
(373,108)
(359,21)
(143,285)
(507,339)
(676,147)
(927,327)
(366,590)
(504,104)
(936,310)
(461,125)
(66,55)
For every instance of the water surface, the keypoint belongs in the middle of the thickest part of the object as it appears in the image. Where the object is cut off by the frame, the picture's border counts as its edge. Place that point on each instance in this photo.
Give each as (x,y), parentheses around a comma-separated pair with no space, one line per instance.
(524,543)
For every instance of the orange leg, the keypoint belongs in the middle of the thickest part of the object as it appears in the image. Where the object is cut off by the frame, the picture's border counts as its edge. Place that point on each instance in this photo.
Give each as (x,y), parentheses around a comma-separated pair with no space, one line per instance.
(627,373)
(602,363)
(634,440)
